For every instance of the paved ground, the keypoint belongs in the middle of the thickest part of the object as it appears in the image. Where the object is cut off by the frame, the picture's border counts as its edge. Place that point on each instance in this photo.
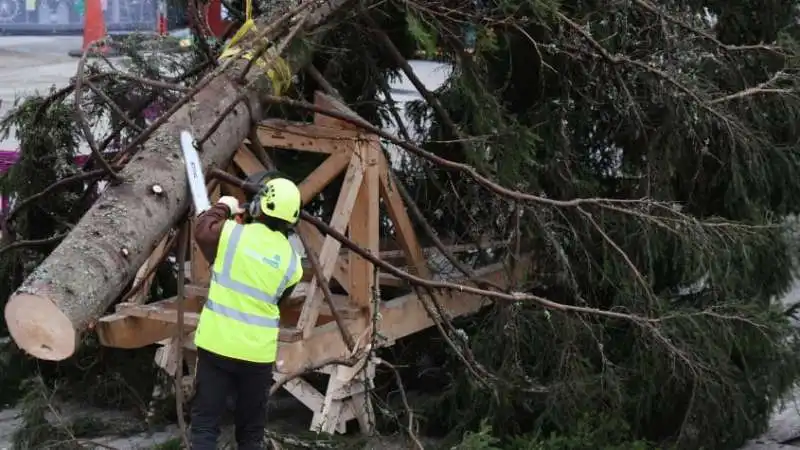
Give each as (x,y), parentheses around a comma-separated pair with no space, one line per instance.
(29,64)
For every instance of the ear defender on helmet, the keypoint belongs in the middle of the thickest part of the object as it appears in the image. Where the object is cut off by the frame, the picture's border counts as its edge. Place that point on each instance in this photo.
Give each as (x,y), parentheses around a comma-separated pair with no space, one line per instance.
(254,207)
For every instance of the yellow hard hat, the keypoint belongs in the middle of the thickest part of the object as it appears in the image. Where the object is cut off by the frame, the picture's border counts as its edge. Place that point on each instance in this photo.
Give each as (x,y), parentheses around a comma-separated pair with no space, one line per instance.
(280,198)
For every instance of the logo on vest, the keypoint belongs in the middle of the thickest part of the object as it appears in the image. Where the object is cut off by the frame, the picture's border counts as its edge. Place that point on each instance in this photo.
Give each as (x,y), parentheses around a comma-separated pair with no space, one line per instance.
(274,261)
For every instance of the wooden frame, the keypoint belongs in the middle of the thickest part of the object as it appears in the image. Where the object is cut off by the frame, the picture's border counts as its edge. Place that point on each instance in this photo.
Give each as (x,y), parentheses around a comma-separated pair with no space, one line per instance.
(310,337)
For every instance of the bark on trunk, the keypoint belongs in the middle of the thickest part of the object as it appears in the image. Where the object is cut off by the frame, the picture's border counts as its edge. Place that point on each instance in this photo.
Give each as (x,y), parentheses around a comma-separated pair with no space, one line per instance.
(88,271)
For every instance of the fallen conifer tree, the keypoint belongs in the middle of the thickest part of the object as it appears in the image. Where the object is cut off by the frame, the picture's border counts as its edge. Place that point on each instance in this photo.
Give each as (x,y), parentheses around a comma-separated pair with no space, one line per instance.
(114,238)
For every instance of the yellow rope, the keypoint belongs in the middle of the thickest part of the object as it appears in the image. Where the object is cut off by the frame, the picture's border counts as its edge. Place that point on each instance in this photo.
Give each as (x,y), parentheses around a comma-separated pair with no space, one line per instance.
(280,75)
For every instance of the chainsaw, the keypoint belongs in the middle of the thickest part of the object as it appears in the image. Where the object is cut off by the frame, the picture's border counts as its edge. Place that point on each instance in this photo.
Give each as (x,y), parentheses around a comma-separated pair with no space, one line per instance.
(194,172)
(197,181)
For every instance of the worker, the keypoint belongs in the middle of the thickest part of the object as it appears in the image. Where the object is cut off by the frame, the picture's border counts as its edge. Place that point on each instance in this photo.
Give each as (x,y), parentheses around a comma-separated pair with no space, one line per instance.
(254,268)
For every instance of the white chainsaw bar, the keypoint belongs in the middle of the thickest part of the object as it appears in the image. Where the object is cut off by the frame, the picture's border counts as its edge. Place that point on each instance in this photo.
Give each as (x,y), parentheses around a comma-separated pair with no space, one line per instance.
(194,171)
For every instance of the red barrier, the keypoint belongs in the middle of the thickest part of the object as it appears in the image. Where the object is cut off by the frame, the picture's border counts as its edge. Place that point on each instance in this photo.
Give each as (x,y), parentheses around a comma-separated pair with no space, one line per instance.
(214,18)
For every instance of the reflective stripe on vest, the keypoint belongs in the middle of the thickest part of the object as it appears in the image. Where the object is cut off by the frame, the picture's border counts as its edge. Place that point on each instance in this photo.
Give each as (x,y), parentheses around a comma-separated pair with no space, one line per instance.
(250,319)
(225,280)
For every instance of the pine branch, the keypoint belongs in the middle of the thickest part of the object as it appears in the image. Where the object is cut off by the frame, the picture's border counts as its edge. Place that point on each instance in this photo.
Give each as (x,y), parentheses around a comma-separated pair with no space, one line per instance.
(32,243)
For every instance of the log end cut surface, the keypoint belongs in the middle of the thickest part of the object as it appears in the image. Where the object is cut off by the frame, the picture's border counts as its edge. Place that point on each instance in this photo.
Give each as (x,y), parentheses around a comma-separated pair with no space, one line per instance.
(39,327)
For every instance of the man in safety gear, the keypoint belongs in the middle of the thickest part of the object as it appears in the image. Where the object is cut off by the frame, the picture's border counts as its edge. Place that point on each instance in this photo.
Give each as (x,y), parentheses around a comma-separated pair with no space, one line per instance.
(254,267)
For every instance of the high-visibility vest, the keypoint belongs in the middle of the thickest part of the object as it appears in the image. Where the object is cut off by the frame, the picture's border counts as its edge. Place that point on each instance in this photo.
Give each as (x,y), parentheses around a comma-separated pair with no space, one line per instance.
(253,267)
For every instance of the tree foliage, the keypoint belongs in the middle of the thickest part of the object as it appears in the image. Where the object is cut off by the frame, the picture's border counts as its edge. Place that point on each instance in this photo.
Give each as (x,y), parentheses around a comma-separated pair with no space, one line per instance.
(48,128)
(48,142)
(687,104)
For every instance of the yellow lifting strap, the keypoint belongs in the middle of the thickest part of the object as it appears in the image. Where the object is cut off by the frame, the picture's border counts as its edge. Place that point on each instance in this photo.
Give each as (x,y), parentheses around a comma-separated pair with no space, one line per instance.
(280,74)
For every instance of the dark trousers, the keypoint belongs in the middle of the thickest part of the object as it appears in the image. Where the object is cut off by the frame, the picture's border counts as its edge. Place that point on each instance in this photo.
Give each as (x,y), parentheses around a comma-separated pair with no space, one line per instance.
(219,377)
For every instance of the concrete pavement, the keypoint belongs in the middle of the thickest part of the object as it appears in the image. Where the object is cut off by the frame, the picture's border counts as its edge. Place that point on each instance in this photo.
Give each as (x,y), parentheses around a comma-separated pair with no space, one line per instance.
(31,63)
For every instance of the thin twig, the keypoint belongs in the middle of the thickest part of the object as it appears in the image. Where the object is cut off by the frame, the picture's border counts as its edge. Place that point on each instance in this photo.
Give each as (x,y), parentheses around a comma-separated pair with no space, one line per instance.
(53,187)
(404,398)
(83,122)
(447,164)
(326,293)
(114,106)
(33,242)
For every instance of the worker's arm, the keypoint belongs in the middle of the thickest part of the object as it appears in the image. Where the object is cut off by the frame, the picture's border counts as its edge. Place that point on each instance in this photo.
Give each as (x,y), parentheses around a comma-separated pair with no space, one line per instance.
(208,229)
(287,294)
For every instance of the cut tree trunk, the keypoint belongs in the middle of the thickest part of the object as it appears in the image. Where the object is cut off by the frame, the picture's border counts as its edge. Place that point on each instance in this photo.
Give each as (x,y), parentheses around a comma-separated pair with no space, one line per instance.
(89,270)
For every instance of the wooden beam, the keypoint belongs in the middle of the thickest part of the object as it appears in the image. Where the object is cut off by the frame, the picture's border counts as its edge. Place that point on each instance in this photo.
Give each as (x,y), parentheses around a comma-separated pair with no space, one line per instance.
(393,255)
(247,161)
(315,239)
(297,298)
(250,165)
(306,137)
(400,317)
(387,279)
(453,248)
(121,330)
(136,326)
(398,257)
(364,228)
(341,272)
(316,181)
(330,248)
(157,312)
(142,281)
(405,235)
(193,290)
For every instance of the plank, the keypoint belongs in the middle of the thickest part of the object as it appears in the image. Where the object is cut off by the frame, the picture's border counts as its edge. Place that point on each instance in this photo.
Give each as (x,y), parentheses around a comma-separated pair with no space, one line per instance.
(400,317)
(364,228)
(330,248)
(322,176)
(142,281)
(247,161)
(395,207)
(297,298)
(388,255)
(306,137)
(315,239)
(340,272)
(250,165)
(157,312)
(136,326)
(121,330)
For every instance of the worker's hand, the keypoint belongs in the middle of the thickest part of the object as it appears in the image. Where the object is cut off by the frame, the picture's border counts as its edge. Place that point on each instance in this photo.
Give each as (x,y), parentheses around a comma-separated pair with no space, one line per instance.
(232,204)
